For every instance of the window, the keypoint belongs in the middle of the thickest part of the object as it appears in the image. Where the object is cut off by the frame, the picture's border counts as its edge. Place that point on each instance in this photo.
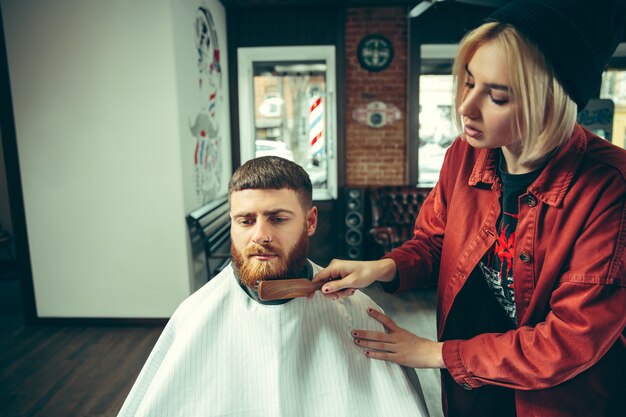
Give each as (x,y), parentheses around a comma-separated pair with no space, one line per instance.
(606,115)
(614,88)
(287,109)
(436,130)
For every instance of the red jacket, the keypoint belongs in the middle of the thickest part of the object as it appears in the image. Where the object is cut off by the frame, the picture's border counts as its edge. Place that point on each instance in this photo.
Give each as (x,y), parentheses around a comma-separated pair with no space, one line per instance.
(567,354)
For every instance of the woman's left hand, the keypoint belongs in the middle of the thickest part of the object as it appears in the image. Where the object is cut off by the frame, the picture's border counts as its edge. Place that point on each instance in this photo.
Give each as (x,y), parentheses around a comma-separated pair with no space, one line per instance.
(398,345)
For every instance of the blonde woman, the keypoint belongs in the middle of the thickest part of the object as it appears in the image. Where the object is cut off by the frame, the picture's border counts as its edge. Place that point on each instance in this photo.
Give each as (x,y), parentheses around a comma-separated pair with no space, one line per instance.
(524,233)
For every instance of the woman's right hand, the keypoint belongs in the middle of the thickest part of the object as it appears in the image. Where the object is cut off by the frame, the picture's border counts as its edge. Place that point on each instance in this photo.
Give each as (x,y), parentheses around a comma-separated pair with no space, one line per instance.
(346,276)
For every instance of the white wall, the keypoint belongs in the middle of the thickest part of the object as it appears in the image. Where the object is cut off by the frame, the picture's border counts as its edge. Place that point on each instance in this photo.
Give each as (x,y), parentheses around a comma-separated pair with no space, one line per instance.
(98,121)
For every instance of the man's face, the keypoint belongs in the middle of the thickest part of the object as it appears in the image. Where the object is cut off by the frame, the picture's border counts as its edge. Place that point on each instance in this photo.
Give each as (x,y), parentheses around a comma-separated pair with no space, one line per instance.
(269,234)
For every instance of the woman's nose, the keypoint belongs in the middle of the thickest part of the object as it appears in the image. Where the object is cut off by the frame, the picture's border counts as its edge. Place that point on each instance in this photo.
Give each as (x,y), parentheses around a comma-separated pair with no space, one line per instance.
(468,108)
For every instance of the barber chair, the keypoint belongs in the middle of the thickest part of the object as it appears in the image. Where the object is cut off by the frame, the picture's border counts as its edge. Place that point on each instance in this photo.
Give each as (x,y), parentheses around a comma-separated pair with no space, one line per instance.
(394,210)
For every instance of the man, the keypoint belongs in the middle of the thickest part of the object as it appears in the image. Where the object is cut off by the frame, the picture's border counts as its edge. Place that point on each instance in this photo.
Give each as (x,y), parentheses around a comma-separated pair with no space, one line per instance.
(226,353)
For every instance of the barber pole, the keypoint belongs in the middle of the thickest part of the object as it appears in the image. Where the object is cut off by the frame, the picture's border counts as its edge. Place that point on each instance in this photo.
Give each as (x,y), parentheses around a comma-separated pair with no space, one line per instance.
(316,126)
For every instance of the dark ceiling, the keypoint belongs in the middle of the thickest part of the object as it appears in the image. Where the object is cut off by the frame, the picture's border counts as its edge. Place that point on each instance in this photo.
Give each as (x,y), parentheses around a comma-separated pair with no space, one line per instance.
(340,3)
(351,3)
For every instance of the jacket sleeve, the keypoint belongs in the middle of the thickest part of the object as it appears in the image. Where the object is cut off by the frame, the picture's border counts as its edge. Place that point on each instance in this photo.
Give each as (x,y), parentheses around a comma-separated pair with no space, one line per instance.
(549,353)
(587,316)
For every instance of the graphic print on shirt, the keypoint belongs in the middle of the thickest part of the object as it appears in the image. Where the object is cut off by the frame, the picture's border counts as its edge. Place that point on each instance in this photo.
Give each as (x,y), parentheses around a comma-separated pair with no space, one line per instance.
(505,248)
(497,266)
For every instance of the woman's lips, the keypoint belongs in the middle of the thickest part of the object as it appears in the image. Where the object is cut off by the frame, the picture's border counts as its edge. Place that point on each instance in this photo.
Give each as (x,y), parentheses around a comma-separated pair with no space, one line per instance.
(471,132)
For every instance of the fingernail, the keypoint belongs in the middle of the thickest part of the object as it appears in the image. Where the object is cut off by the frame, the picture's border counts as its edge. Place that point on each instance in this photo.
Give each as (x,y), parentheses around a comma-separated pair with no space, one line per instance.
(370,310)
(357,341)
(326,290)
(355,334)
(367,353)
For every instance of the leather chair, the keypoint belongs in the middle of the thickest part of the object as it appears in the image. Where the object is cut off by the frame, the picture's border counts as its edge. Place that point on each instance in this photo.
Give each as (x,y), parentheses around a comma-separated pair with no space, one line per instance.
(393,213)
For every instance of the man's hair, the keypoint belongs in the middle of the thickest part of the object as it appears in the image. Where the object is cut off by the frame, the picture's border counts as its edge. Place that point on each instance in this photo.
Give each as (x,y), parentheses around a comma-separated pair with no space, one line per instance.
(273,172)
(547,115)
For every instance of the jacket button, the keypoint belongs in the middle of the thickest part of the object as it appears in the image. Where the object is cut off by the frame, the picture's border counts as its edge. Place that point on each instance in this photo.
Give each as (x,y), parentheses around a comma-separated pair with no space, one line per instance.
(466,386)
(524,257)
(531,201)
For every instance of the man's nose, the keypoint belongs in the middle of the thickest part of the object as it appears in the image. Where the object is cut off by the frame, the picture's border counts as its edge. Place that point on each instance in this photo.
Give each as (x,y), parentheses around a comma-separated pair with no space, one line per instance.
(262,233)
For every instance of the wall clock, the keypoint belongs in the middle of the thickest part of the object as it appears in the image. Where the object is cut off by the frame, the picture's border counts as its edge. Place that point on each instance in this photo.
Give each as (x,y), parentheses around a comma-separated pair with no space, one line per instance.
(375,52)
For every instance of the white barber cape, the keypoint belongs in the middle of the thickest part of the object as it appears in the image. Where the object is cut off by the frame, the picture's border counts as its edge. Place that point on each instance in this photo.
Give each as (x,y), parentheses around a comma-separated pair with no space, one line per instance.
(224,354)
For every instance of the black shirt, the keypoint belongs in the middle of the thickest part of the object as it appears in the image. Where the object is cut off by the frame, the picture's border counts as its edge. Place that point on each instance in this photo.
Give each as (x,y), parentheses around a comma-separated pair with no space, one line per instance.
(497,264)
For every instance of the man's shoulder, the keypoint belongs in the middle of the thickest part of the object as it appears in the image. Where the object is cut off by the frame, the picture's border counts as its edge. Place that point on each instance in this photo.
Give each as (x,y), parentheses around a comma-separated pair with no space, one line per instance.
(216,288)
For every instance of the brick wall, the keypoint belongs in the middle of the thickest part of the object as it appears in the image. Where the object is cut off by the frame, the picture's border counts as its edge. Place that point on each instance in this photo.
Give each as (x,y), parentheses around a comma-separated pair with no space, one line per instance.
(376,156)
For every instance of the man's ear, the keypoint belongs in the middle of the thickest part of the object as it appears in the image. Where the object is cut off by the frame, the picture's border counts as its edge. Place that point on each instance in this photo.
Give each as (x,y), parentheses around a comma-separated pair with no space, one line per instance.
(311,220)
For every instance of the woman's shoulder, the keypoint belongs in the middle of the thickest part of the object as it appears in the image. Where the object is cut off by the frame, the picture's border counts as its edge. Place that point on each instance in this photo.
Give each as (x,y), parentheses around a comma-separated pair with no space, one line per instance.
(602,154)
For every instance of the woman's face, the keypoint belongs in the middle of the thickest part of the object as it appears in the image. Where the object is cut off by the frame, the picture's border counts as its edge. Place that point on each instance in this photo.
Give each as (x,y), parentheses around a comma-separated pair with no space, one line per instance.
(488,109)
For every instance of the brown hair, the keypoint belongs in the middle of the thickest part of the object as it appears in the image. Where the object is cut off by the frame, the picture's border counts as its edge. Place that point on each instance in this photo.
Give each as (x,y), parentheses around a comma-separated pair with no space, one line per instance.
(547,115)
(273,172)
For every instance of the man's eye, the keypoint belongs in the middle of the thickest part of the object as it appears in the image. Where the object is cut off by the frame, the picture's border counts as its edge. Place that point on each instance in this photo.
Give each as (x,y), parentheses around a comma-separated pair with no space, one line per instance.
(245,222)
(279,219)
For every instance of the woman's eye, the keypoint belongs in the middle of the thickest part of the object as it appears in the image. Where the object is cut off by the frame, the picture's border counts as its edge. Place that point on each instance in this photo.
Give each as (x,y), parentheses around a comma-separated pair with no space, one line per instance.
(499,102)
(469,84)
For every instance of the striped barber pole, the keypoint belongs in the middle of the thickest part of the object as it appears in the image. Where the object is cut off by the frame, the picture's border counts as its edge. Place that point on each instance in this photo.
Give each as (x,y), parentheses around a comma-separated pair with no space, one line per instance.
(316,126)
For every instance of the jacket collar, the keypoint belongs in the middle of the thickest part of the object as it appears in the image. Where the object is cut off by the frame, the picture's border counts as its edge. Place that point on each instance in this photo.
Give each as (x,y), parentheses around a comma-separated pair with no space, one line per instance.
(485,168)
(555,179)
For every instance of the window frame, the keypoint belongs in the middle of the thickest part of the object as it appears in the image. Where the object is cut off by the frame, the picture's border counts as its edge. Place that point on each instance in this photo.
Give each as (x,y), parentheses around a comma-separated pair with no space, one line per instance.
(246,57)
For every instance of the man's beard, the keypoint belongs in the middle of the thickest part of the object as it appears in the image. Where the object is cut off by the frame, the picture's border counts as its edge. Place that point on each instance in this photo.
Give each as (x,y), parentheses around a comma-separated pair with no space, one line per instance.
(283,266)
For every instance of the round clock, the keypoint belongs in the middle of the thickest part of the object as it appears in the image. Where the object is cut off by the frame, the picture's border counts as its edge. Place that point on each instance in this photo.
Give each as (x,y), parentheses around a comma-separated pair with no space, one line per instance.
(375,52)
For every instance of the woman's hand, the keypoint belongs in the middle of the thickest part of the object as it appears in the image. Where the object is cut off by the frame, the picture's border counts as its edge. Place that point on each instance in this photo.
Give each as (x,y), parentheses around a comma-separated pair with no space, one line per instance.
(398,345)
(352,275)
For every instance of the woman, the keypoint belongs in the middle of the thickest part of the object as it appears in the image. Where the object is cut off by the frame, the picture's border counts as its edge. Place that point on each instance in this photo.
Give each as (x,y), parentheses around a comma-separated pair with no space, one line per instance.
(524,233)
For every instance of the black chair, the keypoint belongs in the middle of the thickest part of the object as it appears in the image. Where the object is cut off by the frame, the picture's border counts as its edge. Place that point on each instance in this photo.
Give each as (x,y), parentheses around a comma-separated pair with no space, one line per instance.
(209,227)
(394,209)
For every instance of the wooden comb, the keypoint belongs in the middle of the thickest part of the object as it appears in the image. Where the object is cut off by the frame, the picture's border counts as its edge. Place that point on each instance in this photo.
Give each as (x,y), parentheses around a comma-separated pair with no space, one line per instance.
(280,289)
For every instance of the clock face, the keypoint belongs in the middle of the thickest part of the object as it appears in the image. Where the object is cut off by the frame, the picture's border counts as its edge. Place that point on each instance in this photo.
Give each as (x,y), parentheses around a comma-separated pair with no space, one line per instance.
(375,52)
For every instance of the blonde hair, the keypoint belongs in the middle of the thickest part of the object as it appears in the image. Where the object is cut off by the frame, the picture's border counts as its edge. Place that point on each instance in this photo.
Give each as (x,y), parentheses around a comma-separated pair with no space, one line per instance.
(547,115)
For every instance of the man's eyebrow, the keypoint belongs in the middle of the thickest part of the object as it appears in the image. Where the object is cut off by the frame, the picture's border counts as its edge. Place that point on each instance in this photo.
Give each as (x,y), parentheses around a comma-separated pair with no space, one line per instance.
(494,86)
(264,213)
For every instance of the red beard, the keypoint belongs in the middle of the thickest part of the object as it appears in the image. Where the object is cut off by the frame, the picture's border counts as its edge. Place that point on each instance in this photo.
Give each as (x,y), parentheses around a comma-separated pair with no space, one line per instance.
(283,266)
